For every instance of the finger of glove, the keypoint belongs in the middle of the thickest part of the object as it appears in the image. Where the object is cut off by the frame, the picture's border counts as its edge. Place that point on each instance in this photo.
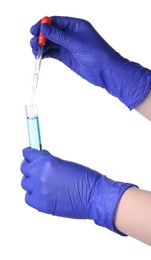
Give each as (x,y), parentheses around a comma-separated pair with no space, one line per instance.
(25,168)
(34,43)
(31,154)
(35,53)
(49,47)
(30,200)
(63,22)
(69,60)
(35,29)
(57,36)
(55,54)
(26,184)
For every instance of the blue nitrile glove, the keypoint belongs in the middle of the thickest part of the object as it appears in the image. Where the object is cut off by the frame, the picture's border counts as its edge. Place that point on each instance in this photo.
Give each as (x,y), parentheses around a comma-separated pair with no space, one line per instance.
(79,46)
(67,189)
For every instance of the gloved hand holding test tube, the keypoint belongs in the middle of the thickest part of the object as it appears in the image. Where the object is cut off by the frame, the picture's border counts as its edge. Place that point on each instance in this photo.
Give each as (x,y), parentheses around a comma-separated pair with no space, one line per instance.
(32,109)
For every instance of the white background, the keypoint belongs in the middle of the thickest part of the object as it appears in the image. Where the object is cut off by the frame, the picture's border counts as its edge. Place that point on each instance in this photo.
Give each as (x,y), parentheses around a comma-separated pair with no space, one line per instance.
(79,122)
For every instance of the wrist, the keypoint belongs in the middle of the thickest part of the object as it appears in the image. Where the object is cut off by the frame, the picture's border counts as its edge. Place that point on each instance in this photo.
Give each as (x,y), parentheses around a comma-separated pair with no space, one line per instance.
(106,196)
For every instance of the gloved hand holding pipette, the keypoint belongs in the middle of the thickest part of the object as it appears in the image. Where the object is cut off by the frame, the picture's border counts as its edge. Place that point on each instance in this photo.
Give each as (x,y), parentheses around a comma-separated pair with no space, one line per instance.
(78,45)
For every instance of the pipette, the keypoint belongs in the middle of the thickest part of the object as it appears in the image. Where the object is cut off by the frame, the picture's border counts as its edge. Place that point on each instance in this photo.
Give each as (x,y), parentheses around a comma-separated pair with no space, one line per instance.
(41,42)
(32,109)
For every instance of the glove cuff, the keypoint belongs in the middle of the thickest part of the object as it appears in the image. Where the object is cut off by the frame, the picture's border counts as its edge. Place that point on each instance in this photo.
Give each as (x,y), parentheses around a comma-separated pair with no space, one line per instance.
(136,85)
(106,196)
(126,80)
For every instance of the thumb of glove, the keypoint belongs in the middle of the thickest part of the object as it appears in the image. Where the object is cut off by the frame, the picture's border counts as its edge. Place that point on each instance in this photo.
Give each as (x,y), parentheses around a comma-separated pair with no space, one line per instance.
(57,36)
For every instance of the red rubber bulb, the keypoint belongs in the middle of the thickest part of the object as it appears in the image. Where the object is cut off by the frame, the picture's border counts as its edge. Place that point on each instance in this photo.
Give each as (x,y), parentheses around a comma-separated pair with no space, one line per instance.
(42,38)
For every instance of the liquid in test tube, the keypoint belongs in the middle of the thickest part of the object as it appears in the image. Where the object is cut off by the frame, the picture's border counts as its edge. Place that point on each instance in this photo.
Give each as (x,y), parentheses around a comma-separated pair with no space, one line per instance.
(33,127)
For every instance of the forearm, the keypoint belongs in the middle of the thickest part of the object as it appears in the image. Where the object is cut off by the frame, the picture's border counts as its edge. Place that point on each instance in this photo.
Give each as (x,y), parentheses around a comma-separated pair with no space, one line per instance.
(144,108)
(133,215)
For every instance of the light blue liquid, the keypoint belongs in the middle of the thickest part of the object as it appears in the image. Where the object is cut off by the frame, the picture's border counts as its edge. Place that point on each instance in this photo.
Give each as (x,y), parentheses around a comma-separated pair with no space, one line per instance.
(34,133)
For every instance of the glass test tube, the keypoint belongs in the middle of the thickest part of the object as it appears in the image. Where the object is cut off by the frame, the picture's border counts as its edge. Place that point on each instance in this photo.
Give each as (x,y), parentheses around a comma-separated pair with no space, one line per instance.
(33,127)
